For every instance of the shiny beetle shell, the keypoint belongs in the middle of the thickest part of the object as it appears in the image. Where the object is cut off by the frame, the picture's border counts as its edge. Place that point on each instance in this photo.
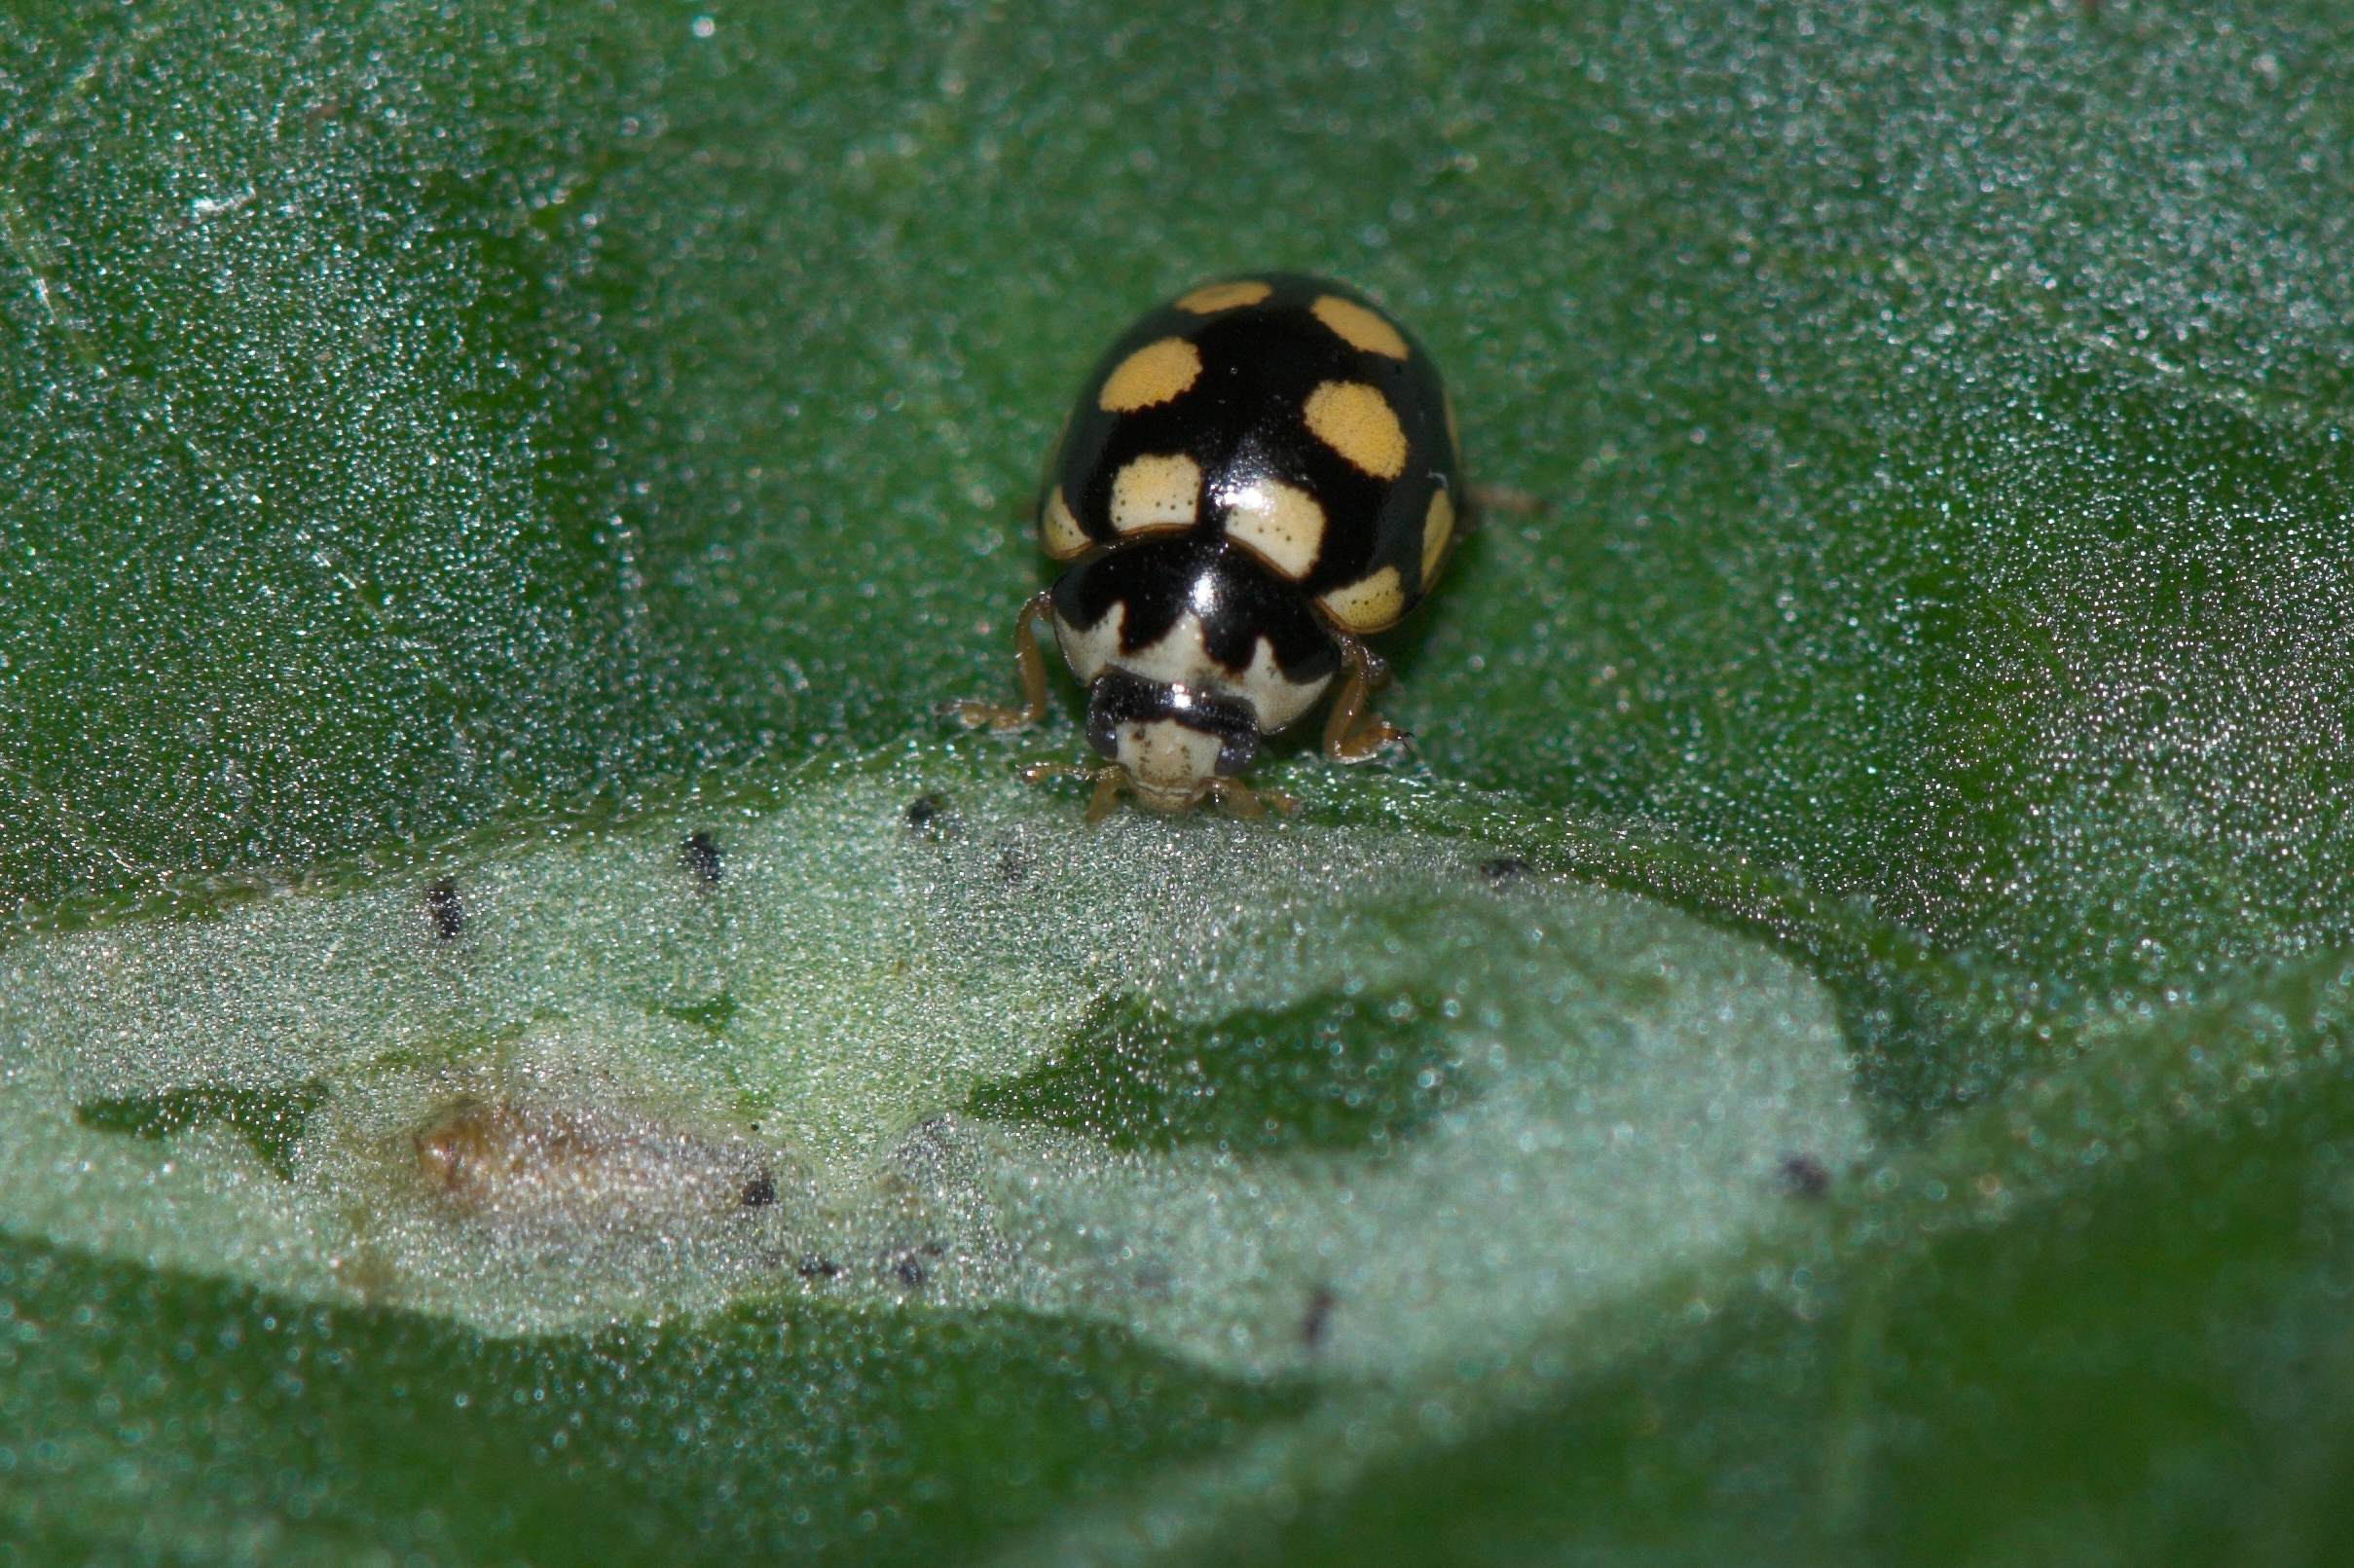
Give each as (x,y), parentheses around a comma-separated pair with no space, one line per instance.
(1255,476)
(1285,414)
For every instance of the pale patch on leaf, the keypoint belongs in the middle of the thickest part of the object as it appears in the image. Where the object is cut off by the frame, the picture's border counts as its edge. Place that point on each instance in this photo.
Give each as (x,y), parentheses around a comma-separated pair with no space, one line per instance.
(855,1065)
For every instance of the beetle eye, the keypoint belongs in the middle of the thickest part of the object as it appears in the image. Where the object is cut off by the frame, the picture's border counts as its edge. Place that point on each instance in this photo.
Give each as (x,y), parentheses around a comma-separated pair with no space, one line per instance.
(1103,733)
(1236,751)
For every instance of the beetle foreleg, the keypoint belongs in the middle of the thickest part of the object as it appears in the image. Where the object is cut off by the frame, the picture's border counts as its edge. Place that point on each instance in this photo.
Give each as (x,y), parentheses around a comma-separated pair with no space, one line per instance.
(1250,804)
(1108,784)
(1033,669)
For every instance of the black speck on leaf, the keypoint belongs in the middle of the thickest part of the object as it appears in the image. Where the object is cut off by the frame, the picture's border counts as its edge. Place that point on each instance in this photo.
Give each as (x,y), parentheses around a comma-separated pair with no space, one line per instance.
(700,856)
(926,814)
(1317,1321)
(761,1191)
(813,1267)
(1803,1175)
(445,911)
(1505,871)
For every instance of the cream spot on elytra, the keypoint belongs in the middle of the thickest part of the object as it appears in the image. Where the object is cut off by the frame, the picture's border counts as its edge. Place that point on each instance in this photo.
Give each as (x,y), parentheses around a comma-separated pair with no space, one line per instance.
(1359,327)
(1280,525)
(1154,374)
(1156,493)
(1356,422)
(1438,529)
(1058,531)
(1368,605)
(1216,297)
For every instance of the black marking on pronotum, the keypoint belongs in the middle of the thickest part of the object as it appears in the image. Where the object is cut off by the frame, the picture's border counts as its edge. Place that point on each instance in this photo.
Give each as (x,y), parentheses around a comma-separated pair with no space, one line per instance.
(761,1191)
(1121,700)
(813,1267)
(445,911)
(700,854)
(1317,1321)
(1802,1175)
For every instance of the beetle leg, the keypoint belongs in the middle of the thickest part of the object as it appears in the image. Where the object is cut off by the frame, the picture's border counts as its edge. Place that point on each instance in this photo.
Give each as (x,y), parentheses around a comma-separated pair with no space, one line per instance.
(1509,502)
(1251,804)
(1108,782)
(1033,669)
(1354,732)
(1236,797)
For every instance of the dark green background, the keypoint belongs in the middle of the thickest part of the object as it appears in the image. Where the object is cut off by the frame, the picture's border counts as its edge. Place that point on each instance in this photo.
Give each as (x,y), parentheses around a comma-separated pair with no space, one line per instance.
(413,415)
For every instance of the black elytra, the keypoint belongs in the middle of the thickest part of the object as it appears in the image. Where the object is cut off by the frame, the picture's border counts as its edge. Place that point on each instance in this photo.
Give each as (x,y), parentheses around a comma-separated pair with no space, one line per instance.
(1243,419)
(1257,474)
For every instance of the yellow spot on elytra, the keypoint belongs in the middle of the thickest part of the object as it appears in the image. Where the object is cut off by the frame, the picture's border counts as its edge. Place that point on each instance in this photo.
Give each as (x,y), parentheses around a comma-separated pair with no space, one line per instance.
(1454,437)
(1156,493)
(1357,421)
(1216,297)
(1359,327)
(1368,605)
(1152,373)
(1058,530)
(1438,529)
(1280,525)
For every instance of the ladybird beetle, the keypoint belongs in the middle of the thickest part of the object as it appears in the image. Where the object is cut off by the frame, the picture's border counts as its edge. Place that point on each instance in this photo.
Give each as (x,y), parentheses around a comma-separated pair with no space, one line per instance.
(1259,474)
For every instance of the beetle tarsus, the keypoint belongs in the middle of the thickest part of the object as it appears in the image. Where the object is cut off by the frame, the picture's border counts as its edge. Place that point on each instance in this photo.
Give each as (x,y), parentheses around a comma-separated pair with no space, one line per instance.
(1108,782)
(1237,798)
(1251,804)
(1354,732)
(1105,799)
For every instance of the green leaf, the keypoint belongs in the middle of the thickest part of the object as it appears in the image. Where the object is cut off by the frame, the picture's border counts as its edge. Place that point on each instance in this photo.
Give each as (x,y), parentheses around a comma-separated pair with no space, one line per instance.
(494,442)
(1330,1071)
(270,1120)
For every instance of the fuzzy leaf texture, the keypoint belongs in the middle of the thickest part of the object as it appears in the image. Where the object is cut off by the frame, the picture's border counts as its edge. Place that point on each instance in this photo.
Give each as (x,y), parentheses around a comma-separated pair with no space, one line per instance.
(1831,1050)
